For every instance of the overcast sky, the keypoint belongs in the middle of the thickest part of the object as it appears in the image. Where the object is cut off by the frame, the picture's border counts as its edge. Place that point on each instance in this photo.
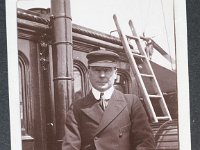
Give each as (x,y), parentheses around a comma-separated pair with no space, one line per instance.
(154,17)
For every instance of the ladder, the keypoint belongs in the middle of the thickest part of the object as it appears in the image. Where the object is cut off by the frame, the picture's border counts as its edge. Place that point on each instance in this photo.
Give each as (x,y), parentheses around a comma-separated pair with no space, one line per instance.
(140,76)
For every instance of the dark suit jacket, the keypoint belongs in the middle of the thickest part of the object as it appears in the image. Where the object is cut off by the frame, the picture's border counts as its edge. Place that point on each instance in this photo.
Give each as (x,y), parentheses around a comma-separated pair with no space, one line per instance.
(122,126)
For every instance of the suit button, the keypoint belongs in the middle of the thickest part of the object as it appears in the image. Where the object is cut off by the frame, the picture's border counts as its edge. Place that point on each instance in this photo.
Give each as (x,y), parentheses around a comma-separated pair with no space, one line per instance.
(120,135)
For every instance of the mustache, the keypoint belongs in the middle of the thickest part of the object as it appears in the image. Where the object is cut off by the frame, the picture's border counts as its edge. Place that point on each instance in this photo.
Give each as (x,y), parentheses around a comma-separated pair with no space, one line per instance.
(102,82)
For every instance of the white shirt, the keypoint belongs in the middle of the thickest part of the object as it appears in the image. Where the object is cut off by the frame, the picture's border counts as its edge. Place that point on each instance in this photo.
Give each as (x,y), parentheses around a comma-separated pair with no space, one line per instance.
(107,94)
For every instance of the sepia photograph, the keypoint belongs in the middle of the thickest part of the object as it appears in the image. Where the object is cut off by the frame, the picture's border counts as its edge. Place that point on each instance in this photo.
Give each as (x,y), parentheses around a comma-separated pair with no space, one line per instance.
(98,75)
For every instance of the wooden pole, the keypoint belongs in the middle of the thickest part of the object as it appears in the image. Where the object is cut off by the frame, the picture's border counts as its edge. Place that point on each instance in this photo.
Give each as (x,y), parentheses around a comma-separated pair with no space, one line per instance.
(62,63)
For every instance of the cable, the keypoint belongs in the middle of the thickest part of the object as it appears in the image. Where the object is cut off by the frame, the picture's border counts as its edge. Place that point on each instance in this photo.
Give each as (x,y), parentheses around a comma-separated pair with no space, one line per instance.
(166,32)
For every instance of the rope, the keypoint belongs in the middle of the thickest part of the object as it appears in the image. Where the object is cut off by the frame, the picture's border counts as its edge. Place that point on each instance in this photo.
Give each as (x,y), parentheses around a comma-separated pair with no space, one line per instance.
(166,32)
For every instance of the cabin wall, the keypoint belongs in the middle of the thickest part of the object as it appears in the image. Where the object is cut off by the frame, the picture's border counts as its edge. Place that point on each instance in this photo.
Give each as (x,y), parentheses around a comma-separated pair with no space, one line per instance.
(33,98)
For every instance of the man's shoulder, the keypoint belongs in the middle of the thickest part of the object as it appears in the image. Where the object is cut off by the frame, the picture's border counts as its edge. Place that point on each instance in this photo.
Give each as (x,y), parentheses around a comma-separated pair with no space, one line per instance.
(79,102)
(83,101)
(130,98)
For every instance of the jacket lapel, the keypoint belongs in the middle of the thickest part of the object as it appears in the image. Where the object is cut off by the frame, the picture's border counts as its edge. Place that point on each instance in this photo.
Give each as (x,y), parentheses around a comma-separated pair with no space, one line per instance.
(92,108)
(116,105)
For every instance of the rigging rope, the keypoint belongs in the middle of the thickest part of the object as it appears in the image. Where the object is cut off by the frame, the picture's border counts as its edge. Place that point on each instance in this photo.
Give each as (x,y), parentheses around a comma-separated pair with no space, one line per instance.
(166,32)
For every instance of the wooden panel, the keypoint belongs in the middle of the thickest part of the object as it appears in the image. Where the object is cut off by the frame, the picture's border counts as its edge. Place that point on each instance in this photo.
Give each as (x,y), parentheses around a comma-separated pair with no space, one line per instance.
(166,78)
(35,136)
(37,97)
(27,143)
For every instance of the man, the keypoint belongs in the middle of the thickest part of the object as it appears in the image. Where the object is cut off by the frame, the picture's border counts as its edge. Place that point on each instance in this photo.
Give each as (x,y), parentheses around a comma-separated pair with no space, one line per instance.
(149,49)
(106,119)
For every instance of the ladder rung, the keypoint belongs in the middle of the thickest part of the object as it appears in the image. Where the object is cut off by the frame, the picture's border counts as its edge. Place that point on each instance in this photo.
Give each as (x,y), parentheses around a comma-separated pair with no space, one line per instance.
(138,55)
(154,96)
(163,117)
(132,37)
(147,75)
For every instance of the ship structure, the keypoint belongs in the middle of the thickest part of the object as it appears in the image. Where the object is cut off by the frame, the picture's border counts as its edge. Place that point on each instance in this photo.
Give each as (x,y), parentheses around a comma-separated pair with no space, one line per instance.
(53,73)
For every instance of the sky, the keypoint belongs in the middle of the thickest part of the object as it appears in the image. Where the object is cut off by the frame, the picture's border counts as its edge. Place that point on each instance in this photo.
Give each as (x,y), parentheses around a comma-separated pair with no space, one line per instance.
(153,17)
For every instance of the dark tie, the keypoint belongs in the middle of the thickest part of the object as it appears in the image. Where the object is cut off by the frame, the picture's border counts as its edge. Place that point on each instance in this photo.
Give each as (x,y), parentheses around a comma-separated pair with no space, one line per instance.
(102,102)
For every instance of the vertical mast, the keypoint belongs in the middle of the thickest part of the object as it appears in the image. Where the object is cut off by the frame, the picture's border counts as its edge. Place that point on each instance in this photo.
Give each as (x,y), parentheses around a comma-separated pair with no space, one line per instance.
(62,63)
(174,35)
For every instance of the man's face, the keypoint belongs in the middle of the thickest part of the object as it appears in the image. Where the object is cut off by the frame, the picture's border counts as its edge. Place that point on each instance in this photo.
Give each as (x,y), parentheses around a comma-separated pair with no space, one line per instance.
(102,78)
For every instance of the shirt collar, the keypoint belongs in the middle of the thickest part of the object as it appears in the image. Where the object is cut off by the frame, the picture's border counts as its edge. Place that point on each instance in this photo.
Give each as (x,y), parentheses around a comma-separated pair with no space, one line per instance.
(107,93)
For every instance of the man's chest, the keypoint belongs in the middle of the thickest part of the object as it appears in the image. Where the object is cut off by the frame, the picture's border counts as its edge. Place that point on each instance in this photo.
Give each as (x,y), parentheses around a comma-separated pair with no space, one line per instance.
(99,121)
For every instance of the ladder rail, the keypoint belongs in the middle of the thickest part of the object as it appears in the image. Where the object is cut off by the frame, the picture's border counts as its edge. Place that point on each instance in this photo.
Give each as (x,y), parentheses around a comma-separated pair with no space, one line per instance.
(135,71)
(156,87)
(139,76)
(138,40)
(147,64)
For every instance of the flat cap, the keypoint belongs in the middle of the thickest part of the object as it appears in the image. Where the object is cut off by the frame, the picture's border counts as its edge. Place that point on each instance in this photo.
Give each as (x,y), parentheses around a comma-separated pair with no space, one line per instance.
(102,58)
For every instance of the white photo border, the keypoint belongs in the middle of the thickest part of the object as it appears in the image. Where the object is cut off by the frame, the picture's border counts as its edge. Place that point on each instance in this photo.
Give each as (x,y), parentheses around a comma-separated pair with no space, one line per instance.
(182,75)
